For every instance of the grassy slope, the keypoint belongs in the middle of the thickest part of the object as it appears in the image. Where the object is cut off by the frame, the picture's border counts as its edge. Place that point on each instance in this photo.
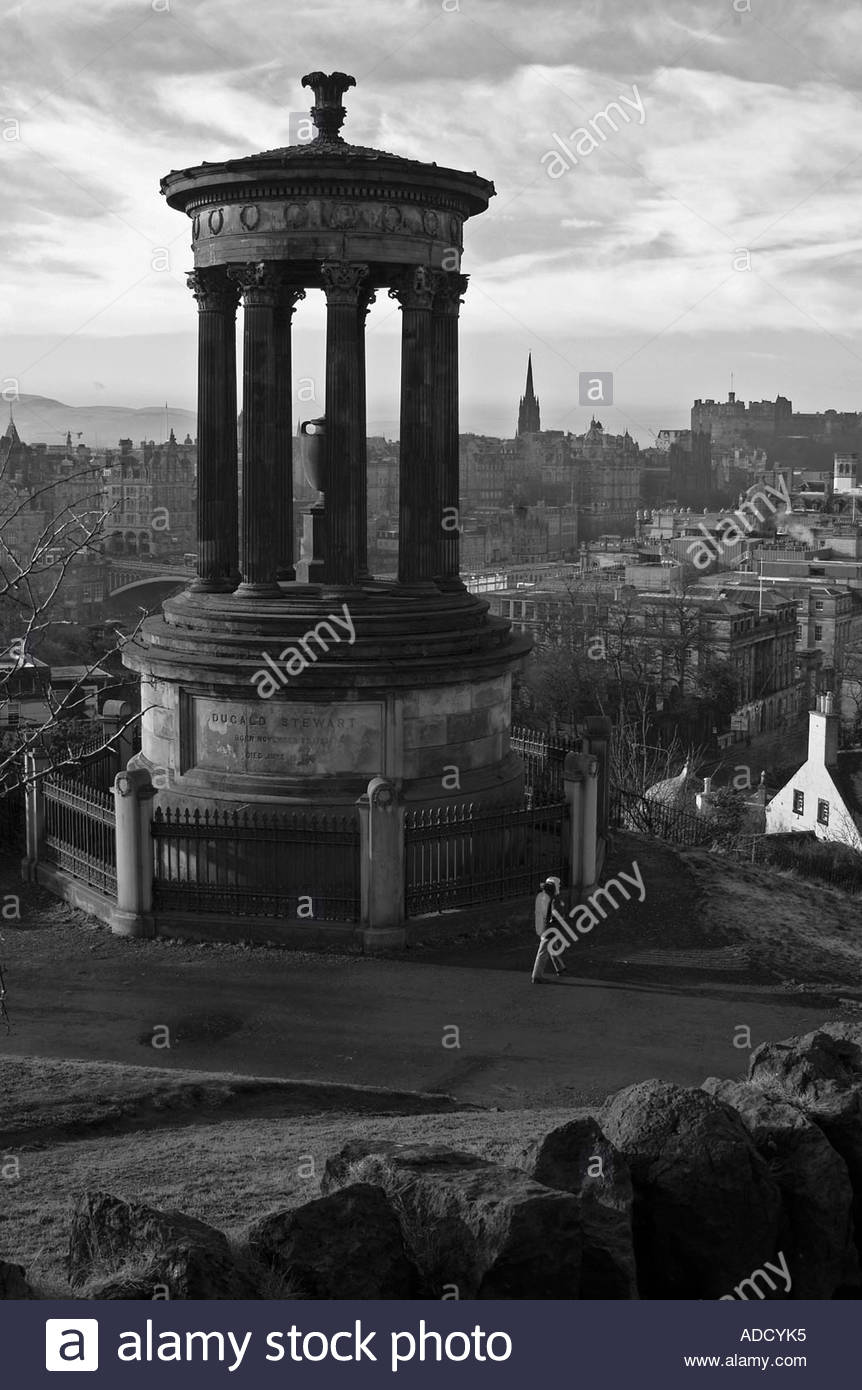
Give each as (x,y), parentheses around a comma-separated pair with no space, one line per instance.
(226,1171)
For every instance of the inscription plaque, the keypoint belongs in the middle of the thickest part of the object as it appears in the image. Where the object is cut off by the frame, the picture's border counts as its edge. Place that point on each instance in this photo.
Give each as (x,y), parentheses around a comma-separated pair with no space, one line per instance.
(300,740)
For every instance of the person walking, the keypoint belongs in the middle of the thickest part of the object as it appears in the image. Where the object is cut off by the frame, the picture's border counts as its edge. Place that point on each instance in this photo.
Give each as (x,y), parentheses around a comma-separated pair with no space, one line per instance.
(545,899)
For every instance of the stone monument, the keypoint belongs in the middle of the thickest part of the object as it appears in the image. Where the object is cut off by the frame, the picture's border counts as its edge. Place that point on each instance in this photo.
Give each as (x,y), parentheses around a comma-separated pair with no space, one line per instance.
(286,681)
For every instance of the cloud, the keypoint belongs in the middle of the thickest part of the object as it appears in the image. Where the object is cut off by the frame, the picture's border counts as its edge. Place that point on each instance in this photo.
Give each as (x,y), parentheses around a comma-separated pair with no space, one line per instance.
(750,139)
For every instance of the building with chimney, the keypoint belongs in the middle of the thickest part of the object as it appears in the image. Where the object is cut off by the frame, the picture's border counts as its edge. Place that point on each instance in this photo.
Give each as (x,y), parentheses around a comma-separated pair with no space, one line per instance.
(825,794)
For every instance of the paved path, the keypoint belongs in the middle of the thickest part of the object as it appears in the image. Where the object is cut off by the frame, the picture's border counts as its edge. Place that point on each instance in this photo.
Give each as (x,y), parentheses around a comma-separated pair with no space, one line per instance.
(662,993)
(387,1023)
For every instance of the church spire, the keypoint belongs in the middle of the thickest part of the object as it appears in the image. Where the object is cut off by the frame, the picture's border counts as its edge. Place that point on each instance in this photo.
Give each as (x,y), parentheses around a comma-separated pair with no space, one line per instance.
(528,410)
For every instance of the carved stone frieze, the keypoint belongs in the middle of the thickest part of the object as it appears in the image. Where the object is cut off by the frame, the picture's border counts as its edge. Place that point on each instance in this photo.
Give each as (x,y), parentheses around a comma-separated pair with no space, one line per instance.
(334,214)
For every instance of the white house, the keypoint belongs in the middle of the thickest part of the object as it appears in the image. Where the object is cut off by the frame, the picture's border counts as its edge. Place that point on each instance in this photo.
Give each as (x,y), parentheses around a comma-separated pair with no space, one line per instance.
(825,795)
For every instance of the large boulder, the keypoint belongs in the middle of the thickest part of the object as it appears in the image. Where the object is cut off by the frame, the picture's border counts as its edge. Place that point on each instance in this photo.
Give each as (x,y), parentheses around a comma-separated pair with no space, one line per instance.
(346,1245)
(181,1272)
(153,1250)
(577,1157)
(821,1073)
(13,1281)
(706,1208)
(815,1188)
(472,1226)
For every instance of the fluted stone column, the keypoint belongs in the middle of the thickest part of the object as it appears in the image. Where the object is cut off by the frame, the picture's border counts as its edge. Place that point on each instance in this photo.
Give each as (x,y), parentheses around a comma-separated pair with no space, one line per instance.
(346,287)
(419,502)
(218,546)
(268,298)
(366,299)
(288,298)
(447,302)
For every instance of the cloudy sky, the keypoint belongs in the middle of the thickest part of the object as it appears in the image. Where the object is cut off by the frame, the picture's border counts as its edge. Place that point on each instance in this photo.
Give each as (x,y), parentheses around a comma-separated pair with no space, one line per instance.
(714,232)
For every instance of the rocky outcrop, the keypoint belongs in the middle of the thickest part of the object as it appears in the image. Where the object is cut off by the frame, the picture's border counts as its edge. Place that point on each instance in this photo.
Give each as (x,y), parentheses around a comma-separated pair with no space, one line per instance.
(346,1245)
(821,1073)
(817,1234)
(168,1254)
(474,1228)
(734,1190)
(706,1208)
(13,1281)
(577,1157)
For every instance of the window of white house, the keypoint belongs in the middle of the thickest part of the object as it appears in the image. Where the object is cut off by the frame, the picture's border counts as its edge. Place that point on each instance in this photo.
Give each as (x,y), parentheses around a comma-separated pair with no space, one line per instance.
(822,812)
(818,605)
(798,630)
(798,803)
(818,632)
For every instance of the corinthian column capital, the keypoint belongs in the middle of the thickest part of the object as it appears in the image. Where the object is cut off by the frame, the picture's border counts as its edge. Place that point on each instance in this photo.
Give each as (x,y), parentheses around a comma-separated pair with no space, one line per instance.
(266,284)
(416,287)
(213,291)
(448,297)
(345,282)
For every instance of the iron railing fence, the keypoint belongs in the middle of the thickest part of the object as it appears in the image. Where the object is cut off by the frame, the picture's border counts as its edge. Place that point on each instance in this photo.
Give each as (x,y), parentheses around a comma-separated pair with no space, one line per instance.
(543,756)
(631,810)
(98,762)
(257,864)
(79,834)
(97,769)
(461,856)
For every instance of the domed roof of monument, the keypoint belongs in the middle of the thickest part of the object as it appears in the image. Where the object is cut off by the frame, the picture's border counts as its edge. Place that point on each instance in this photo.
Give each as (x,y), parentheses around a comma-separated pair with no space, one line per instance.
(328,152)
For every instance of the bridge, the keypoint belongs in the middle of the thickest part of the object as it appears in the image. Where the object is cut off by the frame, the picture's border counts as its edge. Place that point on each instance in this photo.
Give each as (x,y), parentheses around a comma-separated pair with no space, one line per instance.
(143,583)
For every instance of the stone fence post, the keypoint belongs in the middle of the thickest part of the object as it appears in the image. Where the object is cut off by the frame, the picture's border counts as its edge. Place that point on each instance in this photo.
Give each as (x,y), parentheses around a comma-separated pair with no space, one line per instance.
(581,780)
(133,802)
(114,718)
(381,848)
(573,784)
(34,813)
(598,730)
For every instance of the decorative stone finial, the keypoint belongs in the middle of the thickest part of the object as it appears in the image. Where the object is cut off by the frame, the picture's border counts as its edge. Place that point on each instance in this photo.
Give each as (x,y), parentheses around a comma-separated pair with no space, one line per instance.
(328,113)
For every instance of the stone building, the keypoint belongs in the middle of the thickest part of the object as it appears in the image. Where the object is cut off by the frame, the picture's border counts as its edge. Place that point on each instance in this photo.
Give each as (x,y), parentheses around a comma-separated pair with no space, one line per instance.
(825,794)
(824,614)
(608,470)
(673,638)
(732,422)
(488,470)
(150,499)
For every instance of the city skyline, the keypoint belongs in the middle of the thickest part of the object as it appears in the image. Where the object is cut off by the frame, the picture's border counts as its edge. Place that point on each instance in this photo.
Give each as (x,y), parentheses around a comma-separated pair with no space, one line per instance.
(694,229)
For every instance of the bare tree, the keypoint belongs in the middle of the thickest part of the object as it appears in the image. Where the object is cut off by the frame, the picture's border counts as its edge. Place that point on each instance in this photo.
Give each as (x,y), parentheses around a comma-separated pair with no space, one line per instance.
(605,649)
(47,531)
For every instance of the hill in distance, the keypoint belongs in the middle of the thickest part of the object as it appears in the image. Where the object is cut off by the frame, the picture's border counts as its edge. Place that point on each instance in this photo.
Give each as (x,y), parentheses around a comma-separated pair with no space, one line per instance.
(39,419)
